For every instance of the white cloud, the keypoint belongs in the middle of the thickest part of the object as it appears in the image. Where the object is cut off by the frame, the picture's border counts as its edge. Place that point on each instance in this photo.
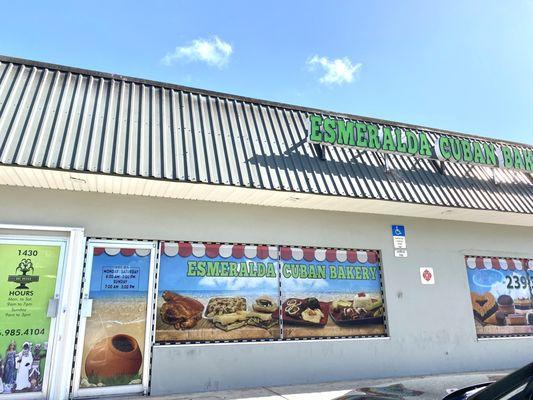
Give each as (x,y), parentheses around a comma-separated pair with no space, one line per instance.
(337,71)
(214,51)
(500,288)
(236,283)
(208,282)
(304,285)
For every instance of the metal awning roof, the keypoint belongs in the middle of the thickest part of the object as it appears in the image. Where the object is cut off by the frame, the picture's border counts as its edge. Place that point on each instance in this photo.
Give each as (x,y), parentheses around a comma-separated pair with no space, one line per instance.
(60,118)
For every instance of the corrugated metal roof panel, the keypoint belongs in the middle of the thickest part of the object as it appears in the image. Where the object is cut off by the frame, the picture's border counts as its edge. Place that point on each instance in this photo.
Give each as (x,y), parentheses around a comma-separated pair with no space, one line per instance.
(63,118)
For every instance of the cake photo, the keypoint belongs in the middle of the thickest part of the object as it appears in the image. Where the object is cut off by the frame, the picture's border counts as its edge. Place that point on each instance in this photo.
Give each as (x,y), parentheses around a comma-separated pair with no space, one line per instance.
(516,319)
(522,303)
(485,307)
(506,304)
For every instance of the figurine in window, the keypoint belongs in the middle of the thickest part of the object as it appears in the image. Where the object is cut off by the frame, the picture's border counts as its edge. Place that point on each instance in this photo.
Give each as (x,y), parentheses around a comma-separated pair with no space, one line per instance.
(24,360)
(9,367)
(39,352)
(1,374)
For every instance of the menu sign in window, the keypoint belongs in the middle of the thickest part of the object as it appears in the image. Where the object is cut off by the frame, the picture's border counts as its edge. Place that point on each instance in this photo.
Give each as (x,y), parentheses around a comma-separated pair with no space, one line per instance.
(120,277)
(501,296)
(331,293)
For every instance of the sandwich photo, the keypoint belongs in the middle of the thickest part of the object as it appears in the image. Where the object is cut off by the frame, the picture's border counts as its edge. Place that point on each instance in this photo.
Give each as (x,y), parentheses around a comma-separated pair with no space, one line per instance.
(261,320)
(229,322)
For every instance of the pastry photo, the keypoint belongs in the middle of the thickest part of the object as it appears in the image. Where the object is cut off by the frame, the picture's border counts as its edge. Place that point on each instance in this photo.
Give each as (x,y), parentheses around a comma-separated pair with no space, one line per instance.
(224,305)
(362,309)
(180,311)
(265,304)
(308,311)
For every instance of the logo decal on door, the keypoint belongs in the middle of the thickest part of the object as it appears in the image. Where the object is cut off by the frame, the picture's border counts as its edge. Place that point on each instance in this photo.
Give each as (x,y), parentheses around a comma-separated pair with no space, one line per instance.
(25,266)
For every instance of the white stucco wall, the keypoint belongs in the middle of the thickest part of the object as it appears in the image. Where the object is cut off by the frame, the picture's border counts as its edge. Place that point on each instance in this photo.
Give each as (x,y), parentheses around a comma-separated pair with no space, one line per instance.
(431,328)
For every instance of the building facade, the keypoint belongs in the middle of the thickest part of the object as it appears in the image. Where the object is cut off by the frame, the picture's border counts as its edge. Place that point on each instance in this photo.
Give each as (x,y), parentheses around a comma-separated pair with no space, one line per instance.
(162,239)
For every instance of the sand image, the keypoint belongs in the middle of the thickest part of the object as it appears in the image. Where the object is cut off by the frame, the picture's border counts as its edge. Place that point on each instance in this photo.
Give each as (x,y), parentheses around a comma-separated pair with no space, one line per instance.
(111,317)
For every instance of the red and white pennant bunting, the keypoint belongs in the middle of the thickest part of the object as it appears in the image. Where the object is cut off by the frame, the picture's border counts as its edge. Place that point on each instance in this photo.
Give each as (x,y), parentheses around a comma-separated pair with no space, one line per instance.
(113,251)
(329,255)
(497,263)
(212,250)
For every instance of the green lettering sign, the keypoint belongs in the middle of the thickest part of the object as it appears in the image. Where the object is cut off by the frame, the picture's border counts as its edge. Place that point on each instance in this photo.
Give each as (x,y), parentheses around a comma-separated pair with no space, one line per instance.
(388,141)
(444,146)
(518,161)
(425,147)
(466,150)
(362,140)
(528,158)
(346,133)
(456,149)
(507,155)
(373,138)
(478,153)
(412,142)
(316,133)
(191,268)
(401,146)
(490,153)
(329,128)
(378,137)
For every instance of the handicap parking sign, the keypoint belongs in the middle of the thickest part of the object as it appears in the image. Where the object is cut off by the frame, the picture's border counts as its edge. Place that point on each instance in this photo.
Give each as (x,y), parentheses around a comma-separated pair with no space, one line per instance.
(398,230)
(398,239)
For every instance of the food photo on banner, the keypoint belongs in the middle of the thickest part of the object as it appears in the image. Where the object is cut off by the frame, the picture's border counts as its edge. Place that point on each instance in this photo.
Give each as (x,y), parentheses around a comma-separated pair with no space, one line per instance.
(331,293)
(115,332)
(500,291)
(27,283)
(217,292)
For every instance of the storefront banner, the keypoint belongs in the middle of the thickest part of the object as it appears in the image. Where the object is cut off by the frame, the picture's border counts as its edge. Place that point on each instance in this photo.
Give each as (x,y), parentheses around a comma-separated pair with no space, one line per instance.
(115,332)
(417,143)
(331,293)
(500,292)
(213,292)
(530,276)
(28,276)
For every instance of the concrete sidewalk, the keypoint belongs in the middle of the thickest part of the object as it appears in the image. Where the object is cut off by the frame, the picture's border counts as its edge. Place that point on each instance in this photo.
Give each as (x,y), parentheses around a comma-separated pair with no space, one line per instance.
(420,388)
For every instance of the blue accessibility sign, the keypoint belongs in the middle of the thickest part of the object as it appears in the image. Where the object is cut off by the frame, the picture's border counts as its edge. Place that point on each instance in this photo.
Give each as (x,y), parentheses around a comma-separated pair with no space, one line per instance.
(398,230)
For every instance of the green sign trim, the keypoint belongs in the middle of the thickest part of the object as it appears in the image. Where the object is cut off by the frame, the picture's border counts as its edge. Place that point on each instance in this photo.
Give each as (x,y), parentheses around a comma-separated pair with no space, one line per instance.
(376,137)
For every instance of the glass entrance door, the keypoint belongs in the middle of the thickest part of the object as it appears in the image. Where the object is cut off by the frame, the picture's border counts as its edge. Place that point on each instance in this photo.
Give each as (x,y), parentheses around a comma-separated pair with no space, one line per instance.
(114,341)
(30,289)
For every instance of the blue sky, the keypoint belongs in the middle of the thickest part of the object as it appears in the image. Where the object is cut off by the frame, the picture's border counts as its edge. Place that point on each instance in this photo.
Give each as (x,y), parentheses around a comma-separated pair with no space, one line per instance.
(458,65)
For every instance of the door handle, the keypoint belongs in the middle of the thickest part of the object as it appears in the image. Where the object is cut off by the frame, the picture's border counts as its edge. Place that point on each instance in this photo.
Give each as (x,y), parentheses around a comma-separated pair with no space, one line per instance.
(53,306)
(86,308)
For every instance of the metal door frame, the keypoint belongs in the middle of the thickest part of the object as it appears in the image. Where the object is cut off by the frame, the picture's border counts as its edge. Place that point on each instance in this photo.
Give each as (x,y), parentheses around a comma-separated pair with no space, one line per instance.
(122,389)
(69,243)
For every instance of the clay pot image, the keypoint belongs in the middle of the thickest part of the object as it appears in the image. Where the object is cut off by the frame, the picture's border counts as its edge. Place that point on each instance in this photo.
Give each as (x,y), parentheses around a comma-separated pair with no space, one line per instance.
(114,356)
